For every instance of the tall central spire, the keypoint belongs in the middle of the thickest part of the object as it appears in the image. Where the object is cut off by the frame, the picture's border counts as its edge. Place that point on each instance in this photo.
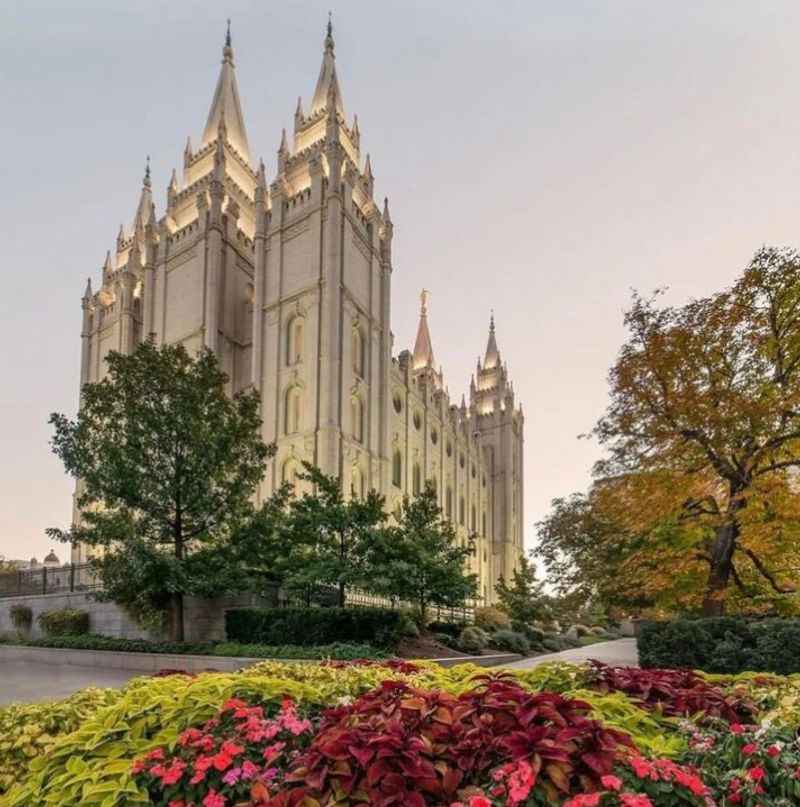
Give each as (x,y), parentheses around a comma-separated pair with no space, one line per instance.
(226,105)
(492,357)
(327,81)
(423,347)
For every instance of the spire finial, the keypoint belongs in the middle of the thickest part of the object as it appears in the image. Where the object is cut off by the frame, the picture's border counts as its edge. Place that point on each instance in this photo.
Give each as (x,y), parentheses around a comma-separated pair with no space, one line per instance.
(228,34)
(491,320)
(146,181)
(329,33)
(423,298)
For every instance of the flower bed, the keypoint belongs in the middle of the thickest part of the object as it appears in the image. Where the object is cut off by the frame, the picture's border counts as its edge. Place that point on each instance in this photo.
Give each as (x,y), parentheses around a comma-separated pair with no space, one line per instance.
(400,733)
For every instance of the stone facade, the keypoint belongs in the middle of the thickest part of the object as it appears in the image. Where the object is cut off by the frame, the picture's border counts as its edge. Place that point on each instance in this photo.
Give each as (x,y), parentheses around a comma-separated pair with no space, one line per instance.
(289,283)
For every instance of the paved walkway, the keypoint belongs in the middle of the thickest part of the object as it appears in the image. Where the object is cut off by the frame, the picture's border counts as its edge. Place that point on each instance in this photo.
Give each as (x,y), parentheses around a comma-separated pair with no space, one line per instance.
(618,653)
(28,681)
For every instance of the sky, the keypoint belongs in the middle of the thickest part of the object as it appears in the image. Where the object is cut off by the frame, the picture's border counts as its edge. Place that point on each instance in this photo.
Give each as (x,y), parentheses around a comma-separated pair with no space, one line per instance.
(542,159)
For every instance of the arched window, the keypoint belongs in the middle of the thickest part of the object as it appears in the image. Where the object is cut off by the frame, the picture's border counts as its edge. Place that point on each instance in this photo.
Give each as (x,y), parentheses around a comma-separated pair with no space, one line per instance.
(472,519)
(294,407)
(294,341)
(397,469)
(358,352)
(461,509)
(356,484)
(483,523)
(357,418)
(416,480)
(448,503)
(433,484)
(291,474)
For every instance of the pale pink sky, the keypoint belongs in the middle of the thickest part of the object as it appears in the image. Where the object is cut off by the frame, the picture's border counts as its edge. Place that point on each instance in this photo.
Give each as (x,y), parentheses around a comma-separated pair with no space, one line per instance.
(541,159)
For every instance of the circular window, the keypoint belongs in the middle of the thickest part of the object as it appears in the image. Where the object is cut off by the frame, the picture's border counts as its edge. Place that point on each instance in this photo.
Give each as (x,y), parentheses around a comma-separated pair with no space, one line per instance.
(434,436)
(449,449)
(398,403)
(417,420)
(461,461)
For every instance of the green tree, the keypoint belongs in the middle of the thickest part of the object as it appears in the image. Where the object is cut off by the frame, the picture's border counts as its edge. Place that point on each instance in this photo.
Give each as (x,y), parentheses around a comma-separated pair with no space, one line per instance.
(326,539)
(419,560)
(524,599)
(167,463)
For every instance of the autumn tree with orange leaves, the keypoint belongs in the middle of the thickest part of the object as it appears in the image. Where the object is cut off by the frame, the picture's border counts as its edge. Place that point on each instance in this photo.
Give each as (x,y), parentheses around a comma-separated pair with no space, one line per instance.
(700,491)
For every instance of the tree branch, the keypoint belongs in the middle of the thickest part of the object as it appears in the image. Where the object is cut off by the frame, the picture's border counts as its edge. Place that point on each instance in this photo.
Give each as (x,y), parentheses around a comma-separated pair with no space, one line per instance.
(766,573)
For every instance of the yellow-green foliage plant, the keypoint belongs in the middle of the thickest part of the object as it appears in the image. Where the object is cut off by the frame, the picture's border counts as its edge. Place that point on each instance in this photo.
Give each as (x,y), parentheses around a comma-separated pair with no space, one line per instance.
(29,731)
(776,696)
(91,766)
(653,734)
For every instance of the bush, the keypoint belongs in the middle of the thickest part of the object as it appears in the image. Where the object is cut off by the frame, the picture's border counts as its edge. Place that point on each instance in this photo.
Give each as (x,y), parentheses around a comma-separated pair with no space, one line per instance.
(722,645)
(64,622)
(511,641)
(451,629)
(552,644)
(530,632)
(491,619)
(473,640)
(408,627)
(92,642)
(313,626)
(445,639)
(338,650)
(21,618)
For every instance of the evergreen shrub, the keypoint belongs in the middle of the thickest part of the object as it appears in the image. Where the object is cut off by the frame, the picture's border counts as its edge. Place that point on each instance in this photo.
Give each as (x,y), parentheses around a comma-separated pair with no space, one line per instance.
(313,626)
(722,645)
(511,641)
(451,629)
(492,619)
(473,639)
(21,618)
(64,622)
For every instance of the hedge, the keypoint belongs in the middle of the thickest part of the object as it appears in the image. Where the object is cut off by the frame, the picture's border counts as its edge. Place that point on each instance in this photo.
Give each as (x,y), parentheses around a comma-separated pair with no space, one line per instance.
(722,645)
(335,650)
(313,626)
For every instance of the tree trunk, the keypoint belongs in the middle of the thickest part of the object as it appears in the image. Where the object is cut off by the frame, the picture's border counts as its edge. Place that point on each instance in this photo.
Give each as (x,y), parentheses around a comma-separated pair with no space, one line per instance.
(342,594)
(721,565)
(176,617)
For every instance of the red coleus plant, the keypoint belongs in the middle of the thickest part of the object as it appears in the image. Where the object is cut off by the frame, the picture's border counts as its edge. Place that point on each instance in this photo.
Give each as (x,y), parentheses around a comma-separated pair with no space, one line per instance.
(239,754)
(402,746)
(673,692)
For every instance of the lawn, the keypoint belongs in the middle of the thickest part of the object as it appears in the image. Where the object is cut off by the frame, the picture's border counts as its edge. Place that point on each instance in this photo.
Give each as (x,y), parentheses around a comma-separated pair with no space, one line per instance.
(402,733)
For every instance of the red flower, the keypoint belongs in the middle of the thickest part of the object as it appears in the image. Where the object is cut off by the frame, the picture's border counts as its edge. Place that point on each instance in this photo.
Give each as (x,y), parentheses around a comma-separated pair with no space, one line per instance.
(479,801)
(737,728)
(748,749)
(214,799)
(584,800)
(611,782)
(756,774)
(634,800)
(222,761)
(774,751)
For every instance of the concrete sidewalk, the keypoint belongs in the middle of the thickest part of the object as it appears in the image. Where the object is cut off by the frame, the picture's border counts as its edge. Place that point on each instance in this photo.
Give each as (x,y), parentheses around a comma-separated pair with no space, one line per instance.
(618,653)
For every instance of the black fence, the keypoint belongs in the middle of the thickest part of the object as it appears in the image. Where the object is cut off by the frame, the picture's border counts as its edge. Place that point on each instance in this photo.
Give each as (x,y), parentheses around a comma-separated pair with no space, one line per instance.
(52,580)
(80,577)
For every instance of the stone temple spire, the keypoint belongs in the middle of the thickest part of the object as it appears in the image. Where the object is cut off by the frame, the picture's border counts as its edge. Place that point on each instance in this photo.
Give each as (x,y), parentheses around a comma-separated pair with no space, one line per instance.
(327,83)
(492,358)
(423,347)
(226,107)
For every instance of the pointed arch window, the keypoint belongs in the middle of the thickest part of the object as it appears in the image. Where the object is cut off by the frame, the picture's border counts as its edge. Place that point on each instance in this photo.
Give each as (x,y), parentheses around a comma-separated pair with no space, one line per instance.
(448,502)
(461,510)
(397,469)
(416,479)
(472,520)
(357,418)
(483,523)
(358,351)
(294,408)
(294,340)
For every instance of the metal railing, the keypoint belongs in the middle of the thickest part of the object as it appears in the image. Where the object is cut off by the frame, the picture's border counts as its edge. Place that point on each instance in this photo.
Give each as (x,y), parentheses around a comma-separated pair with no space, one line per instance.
(49,580)
(79,577)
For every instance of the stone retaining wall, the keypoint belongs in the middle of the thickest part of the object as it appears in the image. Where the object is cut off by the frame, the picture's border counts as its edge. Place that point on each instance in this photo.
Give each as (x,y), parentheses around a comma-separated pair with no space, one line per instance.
(204,619)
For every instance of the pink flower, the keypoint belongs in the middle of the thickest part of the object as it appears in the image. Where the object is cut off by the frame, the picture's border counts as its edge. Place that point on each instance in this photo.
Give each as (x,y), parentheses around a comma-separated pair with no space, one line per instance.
(634,800)
(756,774)
(520,783)
(249,770)
(774,751)
(231,748)
(737,728)
(750,748)
(222,761)
(232,776)
(584,800)
(214,799)
(479,801)
(611,782)
(173,774)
